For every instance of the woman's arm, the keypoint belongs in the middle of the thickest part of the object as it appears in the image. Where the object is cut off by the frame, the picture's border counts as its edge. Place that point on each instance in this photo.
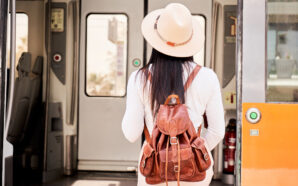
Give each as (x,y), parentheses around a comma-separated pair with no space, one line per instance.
(215,116)
(133,120)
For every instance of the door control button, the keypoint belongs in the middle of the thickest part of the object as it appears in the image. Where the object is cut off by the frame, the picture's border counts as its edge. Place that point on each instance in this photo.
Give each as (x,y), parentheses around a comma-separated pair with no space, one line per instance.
(253,115)
(57,57)
(136,62)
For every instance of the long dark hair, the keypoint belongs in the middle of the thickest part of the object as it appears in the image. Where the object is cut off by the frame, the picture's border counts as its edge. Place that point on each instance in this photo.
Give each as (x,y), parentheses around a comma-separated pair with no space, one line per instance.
(167,77)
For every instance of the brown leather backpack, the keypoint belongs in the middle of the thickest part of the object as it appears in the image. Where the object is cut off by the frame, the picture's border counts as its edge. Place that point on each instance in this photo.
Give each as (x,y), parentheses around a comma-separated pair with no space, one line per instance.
(175,152)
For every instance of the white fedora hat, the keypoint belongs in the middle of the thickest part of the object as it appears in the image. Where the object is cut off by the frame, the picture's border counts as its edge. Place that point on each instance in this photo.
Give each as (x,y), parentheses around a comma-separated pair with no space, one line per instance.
(173,31)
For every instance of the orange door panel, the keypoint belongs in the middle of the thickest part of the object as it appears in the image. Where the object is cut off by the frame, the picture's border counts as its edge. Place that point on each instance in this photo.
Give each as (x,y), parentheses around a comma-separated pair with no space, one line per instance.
(270,147)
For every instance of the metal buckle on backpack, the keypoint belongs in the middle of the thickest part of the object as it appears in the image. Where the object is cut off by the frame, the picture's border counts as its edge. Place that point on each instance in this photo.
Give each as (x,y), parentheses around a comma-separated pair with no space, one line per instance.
(173,101)
(174,143)
(176,168)
(206,156)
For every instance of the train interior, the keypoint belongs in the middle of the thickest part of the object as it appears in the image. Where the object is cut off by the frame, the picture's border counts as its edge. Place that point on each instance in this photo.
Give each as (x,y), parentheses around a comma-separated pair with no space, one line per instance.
(73,61)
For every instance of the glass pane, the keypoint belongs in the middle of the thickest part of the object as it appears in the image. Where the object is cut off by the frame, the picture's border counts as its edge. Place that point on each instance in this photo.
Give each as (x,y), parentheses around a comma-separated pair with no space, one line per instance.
(106,54)
(200,56)
(21,37)
(282,51)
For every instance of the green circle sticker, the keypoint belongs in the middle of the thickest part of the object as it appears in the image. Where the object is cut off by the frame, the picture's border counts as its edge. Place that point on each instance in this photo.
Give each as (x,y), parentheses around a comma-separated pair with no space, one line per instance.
(136,62)
(253,115)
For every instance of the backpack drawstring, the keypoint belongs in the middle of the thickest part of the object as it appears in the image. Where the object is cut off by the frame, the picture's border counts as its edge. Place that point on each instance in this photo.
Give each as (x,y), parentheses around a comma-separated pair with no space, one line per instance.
(167,157)
(178,176)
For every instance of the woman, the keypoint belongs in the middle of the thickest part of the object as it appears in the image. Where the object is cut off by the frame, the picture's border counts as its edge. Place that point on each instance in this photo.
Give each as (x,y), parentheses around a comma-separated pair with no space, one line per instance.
(175,37)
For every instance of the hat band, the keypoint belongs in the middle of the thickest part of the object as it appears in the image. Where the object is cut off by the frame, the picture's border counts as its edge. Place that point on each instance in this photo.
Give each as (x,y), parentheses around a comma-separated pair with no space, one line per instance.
(169,42)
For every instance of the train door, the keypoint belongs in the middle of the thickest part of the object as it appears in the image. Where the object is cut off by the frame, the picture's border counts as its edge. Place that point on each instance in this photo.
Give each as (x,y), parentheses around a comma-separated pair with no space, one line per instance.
(111,47)
(269,92)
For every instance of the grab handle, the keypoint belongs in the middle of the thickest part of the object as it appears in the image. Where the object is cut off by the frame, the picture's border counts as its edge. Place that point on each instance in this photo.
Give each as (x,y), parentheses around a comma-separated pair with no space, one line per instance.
(12,60)
(172,99)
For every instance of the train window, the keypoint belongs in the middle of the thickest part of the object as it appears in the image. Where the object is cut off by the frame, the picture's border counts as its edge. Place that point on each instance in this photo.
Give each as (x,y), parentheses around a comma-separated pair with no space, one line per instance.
(282,51)
(200,57)
(21,36)
(106,54)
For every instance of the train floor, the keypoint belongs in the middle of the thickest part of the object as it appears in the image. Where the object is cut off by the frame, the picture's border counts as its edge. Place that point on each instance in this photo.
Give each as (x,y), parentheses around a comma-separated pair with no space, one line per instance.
(102,179)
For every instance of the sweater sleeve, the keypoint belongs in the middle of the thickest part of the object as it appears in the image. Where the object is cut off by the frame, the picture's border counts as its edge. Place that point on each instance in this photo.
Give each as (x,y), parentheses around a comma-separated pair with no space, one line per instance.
(215,116)
(133,120)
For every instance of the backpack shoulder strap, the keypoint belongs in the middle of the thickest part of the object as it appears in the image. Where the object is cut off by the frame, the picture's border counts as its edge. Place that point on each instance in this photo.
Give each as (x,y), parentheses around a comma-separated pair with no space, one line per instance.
(191,77)
(146,133)
(199,131)
(150,76)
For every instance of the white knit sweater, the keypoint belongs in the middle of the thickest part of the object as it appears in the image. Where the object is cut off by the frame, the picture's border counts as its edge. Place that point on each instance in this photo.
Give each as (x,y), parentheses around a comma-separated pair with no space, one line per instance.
(202,95)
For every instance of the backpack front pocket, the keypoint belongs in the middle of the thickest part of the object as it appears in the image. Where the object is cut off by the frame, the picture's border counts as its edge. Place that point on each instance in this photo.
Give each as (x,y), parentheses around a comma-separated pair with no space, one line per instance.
(202,157)
(187,166)
(147,160)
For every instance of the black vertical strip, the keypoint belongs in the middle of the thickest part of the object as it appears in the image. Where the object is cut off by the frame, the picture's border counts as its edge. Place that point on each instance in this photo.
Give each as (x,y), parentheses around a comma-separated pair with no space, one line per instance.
(48,38)
(144,42)
(3,34)
(144,49)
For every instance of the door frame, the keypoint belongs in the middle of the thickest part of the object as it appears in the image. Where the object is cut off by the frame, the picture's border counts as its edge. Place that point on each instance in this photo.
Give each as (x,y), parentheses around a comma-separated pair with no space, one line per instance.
(250,84)
(3,85)
(238,73)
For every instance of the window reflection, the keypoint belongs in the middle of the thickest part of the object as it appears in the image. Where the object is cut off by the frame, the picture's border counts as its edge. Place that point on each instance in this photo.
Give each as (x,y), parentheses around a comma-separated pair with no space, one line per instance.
(282,51)
(106,54)
(21,37)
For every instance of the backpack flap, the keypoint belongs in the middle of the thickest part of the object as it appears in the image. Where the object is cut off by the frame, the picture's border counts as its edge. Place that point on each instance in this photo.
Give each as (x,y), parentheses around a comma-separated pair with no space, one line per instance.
(201,154)
(173,120)
(147,161)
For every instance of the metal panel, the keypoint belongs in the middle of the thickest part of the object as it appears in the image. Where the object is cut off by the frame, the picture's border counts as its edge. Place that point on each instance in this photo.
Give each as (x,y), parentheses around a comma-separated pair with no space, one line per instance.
(58,30)
(254,32)
(54,143)
(269,150)
(201,7)
(101,141)
(251,72)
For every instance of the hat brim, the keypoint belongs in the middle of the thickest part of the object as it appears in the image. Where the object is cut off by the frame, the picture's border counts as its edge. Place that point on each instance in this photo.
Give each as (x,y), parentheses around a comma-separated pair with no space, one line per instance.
(192,47)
